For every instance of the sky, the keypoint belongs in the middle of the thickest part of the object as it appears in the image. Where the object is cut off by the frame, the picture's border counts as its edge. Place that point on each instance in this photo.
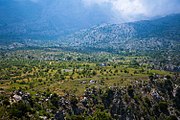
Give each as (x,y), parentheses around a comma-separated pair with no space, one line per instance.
(133,10)
(126,10)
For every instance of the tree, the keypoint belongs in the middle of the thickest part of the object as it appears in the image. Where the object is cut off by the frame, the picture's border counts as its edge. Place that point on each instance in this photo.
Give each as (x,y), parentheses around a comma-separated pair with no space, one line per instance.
(130,91)
(177,98)
(100,115)
(163,106)
(19,109)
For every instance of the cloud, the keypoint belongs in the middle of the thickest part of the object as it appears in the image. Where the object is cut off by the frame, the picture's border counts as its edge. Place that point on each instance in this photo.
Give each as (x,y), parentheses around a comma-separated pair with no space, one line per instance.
(132,10)
(120,10)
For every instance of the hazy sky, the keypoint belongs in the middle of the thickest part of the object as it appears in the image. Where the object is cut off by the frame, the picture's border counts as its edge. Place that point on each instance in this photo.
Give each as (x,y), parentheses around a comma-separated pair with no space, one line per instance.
(138,9)
(127,10)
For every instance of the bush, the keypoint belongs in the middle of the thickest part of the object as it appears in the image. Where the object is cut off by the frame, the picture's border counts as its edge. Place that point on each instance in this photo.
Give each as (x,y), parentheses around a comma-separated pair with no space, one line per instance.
(98,115)
(130,91)
(75,117)
(172,117)
(19,109)
(164,107)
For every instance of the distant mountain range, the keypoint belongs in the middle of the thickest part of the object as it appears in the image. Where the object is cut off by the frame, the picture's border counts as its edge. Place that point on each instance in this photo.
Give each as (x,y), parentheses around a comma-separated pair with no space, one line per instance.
(157,34)
(149,35)
(46,19)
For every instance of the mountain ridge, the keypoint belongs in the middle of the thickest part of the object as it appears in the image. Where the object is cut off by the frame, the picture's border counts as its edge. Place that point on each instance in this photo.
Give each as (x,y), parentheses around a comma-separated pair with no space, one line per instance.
(153,34)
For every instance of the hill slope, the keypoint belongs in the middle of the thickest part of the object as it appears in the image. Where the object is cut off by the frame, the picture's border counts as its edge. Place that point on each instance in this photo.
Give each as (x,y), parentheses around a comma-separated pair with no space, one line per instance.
(158,34)
(45,19)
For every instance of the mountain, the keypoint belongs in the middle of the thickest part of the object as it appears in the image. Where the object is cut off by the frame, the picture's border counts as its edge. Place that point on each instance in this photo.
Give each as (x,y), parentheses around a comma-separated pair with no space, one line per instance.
(157,34)
(162,34)
(45,19)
